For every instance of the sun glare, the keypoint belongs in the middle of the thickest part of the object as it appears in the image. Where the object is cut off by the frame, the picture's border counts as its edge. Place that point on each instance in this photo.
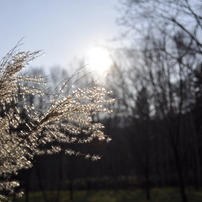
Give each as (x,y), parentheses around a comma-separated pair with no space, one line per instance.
(99,61)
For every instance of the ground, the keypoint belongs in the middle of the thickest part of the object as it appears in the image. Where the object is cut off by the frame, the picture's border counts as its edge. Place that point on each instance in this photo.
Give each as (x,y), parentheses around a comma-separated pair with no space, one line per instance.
(137,195)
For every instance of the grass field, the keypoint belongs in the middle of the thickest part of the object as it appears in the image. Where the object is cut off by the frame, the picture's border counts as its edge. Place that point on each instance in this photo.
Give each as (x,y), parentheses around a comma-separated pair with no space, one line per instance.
(157,195)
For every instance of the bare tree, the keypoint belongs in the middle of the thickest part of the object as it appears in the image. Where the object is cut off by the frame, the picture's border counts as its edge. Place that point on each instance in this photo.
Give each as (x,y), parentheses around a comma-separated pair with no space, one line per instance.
(171,51)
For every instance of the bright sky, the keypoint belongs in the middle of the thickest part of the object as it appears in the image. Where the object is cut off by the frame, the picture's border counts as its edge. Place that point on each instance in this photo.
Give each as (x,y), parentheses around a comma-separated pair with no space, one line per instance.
(63,29)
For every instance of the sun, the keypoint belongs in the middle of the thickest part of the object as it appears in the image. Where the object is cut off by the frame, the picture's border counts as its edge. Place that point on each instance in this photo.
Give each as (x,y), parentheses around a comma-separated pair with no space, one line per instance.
(99,61)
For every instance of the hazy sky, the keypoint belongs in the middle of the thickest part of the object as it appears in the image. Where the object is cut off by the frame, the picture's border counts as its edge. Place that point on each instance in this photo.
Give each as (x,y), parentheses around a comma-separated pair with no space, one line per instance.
(64,29)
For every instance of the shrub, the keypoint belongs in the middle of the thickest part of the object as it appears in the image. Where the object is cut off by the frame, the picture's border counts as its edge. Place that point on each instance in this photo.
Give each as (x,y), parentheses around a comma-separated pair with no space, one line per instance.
(25,129)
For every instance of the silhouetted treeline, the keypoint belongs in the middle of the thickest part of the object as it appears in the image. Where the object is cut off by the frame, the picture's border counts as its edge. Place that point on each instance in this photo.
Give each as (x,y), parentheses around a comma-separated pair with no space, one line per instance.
(151,146)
